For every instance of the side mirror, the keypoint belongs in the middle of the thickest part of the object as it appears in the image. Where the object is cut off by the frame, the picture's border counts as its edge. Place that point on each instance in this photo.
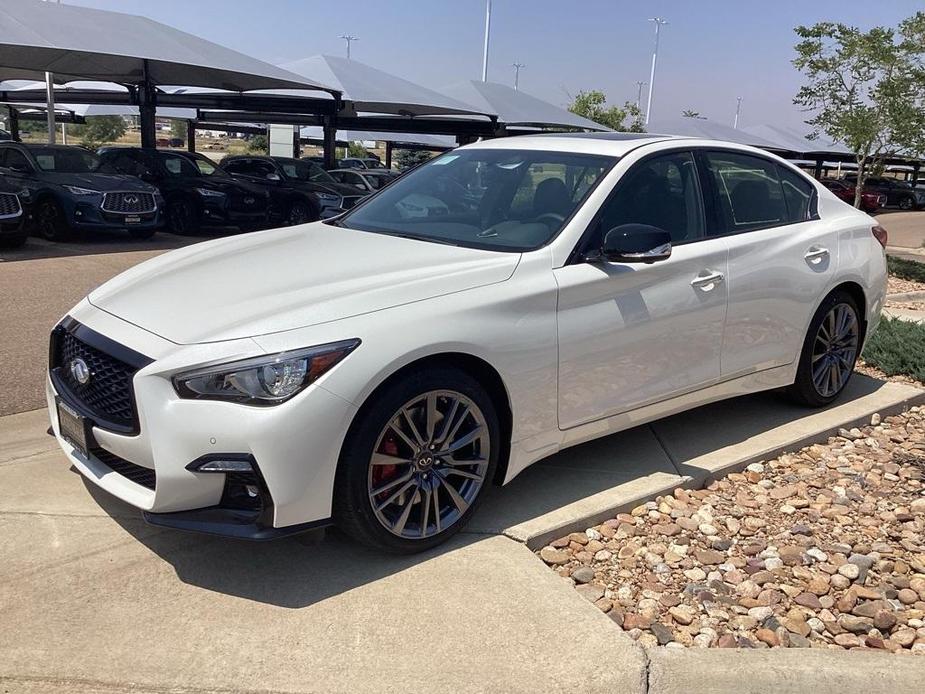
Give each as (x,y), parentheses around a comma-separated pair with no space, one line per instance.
(635,243)
(273,177)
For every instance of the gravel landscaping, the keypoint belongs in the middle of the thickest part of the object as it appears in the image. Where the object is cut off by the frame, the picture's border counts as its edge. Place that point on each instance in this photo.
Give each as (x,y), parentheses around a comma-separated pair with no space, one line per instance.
(822,548)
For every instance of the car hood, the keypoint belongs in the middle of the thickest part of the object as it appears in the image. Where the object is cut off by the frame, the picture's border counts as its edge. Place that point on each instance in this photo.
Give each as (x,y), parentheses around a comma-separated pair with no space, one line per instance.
(99,181)
(283,279)
(334,187)
(229,185)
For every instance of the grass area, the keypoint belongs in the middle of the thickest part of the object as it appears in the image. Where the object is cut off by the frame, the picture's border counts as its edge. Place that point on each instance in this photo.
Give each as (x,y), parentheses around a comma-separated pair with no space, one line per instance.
(898,347)
(906,269)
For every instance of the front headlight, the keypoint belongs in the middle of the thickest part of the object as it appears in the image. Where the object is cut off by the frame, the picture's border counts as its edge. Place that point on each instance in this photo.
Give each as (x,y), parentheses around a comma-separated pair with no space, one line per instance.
(266,380)
(25,193)
(75,190)
(328,197)
(205,192)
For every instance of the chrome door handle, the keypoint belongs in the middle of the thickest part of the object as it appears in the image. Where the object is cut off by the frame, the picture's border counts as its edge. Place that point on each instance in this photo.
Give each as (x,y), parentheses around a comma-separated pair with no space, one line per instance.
(707,282)
(815,254)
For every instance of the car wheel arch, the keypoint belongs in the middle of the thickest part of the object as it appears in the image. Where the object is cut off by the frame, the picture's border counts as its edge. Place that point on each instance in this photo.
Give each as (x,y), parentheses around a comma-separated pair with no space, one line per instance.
(856,291)
(476,367)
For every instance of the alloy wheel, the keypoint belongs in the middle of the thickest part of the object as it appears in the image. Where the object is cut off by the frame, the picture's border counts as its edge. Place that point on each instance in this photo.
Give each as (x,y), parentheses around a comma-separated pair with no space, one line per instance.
(429,464)
(835,349)
(298,214)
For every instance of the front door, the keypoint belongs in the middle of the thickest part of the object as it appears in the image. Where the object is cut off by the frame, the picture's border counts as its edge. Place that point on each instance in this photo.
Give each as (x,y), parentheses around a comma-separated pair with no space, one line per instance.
(631,334)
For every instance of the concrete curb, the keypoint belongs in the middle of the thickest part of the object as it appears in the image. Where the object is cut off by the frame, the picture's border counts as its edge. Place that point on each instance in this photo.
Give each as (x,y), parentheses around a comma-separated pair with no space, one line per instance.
(783,671)
(906,296)
(703,477)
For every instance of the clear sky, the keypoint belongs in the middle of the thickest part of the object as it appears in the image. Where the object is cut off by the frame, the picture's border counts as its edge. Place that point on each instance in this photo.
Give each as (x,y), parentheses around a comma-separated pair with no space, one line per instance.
(711,51)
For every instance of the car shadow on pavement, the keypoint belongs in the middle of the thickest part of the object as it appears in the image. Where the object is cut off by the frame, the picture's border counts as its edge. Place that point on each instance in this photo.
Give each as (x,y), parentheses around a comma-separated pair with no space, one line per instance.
(299,571)
(101,243)
(291,572)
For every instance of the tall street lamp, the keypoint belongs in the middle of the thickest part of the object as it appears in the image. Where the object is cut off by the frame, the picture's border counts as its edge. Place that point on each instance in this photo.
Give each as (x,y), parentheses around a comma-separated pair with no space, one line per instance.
(487,36)
(658,25)
(735,123)
(517,67)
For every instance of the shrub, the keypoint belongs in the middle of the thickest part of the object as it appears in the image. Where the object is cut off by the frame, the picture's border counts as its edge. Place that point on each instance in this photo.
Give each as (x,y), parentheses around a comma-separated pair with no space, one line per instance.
(906,269)
(898,347)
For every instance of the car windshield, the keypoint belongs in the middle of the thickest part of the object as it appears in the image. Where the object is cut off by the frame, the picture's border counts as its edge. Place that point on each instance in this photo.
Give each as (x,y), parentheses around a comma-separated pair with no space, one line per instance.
(510,200)
(306,171)
(65,159)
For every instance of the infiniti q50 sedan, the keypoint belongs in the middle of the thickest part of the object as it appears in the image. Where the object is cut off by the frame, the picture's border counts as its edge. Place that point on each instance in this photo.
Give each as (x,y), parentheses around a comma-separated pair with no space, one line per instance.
(504,301)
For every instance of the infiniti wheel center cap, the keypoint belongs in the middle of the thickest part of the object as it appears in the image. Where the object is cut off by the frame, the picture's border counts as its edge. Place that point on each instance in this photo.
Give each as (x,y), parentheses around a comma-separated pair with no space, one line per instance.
(425,461)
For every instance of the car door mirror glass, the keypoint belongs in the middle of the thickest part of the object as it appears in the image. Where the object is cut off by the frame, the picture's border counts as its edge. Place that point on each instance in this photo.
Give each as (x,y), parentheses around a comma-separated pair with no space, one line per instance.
(635,243)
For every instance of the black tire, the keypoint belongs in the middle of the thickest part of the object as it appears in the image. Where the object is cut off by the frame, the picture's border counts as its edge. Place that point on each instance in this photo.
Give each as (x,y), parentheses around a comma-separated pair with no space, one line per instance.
(804,391)
(141,234)
(182,216)
(353,510)
(907,202)
(51,221)
(301,212)
(16,240)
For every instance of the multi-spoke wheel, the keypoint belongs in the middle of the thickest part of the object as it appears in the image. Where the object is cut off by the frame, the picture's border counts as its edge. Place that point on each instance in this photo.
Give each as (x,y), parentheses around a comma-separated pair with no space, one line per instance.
(830,351)
(416,461)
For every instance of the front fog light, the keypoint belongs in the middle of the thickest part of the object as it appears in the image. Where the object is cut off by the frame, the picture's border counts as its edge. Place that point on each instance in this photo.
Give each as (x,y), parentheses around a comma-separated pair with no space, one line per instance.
(266,380)
(221,465)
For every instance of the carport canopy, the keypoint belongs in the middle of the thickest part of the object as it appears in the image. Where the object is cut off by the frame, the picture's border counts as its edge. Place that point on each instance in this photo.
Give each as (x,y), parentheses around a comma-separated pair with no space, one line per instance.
(516,108)
(369,90)
(83,43)
(709,130)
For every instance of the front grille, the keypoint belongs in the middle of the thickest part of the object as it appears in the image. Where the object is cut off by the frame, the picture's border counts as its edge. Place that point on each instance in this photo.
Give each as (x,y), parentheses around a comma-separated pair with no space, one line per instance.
(108,393)
(144,476)
(247,203)
(128,203)
(350,200)
(9,205)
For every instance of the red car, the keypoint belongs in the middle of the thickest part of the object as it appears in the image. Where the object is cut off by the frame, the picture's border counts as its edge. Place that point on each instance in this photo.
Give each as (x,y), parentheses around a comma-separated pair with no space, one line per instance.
(870,202)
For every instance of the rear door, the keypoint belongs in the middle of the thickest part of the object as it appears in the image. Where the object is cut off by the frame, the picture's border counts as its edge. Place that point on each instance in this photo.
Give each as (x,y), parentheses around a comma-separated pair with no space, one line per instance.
(782,257)
(631,334)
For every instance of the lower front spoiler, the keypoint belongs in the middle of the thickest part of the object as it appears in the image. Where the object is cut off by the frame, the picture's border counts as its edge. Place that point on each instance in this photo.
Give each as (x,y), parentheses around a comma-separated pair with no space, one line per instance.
(225,522)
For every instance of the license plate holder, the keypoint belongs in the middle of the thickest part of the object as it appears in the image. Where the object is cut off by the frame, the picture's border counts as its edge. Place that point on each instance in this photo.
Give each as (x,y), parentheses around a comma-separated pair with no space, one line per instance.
(132,219)
(74,428)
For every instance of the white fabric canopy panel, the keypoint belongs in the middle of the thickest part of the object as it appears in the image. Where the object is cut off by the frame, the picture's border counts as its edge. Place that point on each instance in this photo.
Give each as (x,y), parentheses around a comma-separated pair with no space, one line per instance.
(313,132)
(708,130)
(81,43)
(375,91)
(794,140)
(517,108)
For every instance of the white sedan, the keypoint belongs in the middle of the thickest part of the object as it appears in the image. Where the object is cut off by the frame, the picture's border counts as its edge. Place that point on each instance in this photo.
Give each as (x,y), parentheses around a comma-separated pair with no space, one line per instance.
(379,370)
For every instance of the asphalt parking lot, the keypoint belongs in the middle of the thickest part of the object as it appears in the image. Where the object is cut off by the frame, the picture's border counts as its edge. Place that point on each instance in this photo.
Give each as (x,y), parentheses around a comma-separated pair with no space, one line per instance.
(39,283)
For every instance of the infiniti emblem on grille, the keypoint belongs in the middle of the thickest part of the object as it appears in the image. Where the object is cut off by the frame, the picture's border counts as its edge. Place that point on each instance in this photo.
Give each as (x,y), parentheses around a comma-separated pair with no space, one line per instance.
(131,199)
(80,371)
(248,201)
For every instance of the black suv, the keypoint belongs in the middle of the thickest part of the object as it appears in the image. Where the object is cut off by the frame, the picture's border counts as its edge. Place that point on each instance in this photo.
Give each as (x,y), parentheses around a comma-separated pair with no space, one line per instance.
(897,192)
(14,210)
(197,192)
(70,193)
(300,190)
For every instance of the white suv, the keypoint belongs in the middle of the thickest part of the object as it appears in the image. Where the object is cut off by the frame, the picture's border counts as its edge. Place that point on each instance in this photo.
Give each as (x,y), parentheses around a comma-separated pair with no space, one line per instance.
(498,304)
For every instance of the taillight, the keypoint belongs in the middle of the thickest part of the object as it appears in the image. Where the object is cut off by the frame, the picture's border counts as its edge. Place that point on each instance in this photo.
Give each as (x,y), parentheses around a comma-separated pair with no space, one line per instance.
(880,234)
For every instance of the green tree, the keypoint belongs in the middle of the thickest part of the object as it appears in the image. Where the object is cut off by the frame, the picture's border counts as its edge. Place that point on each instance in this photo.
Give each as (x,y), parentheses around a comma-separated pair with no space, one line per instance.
(356,149)
(99,130)
(258,144)
(593,106)
(409,158)
(865,89)
(178,128)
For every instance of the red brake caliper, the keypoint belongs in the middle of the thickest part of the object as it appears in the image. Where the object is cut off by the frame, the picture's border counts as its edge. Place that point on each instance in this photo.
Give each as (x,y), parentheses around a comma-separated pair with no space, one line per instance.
(383,473)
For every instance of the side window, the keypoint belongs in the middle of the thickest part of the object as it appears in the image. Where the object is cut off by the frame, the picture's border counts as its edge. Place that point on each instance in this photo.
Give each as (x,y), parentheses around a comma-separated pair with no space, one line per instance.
(799,194)
(663,192)
(238,166)
(748,191)
(15,159)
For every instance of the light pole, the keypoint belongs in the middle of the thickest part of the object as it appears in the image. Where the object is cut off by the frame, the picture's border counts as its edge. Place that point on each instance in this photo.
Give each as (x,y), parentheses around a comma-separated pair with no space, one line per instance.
(348,38)
(517,67)
(658,25)
(735,123)
(487,36)
(50,106)
(639,86)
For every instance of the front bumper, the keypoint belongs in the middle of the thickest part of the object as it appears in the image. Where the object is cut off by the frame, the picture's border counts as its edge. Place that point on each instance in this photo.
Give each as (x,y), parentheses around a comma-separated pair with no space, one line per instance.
(295,445)
(89,215)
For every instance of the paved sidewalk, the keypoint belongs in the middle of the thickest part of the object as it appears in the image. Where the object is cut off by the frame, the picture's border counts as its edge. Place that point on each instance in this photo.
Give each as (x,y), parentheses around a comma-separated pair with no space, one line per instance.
(93,601)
